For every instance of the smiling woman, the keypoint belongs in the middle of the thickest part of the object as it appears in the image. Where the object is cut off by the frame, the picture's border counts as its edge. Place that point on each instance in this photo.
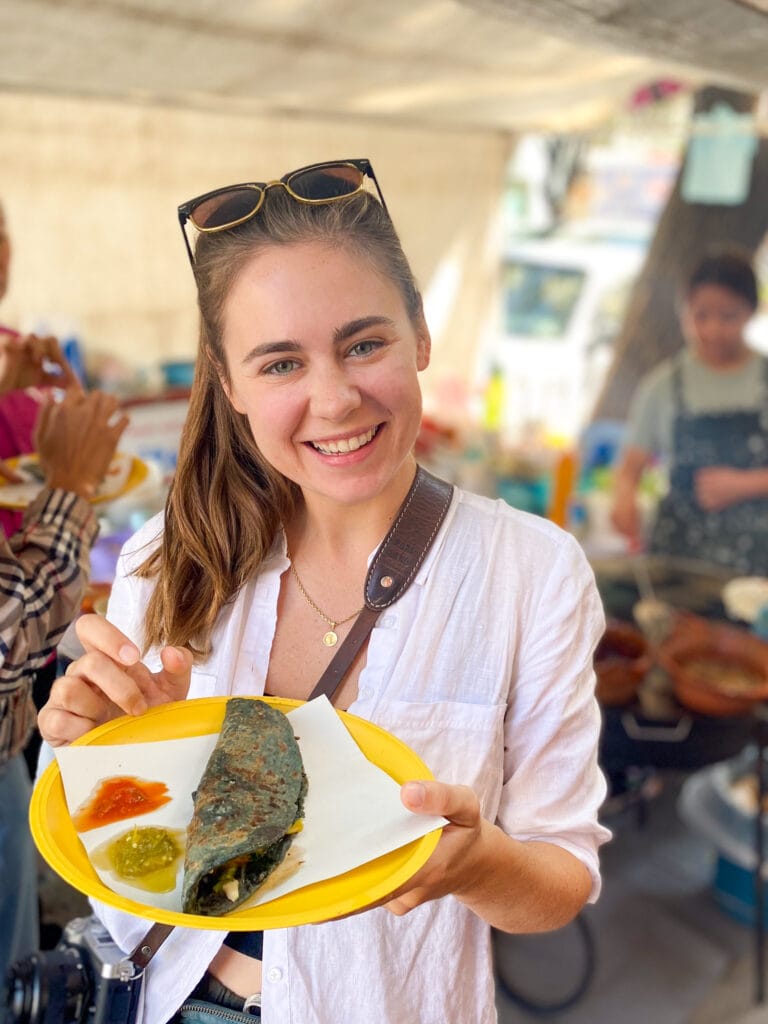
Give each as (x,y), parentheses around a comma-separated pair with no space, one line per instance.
(296,460)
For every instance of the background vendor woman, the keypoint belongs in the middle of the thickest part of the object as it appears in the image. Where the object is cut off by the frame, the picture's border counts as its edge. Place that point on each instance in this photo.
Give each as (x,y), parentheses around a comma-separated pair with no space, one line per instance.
(705,413)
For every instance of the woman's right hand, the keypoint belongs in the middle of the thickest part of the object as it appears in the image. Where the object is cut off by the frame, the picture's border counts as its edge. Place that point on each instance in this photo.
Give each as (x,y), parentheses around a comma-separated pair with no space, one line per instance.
(109,680)
(76,439)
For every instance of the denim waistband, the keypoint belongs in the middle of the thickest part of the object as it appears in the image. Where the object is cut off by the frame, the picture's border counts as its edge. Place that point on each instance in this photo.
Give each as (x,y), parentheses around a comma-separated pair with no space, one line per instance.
(210,992)
(199,1011)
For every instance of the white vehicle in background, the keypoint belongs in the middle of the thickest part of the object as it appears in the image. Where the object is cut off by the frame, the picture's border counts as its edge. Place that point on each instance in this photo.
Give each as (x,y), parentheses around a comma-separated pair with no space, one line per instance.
(563,297)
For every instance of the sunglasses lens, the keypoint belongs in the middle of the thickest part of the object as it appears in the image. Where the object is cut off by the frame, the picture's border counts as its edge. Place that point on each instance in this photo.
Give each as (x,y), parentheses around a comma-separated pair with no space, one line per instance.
(227,208)
(326,182)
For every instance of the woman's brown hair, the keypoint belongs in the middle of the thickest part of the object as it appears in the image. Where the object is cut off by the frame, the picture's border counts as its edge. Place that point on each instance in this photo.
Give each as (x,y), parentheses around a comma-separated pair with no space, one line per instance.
(226,503)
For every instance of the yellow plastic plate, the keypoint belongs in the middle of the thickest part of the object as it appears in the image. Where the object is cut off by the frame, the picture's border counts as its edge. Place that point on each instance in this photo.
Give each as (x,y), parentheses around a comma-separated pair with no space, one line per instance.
(59,844)
(9,493)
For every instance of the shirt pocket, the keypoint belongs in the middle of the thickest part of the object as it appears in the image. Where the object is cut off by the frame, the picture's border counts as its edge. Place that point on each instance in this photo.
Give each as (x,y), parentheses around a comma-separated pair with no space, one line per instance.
(205,684)
(460,743)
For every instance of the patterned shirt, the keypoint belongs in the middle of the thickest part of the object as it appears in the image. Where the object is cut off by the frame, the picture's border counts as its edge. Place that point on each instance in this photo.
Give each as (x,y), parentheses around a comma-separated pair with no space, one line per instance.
(44,569)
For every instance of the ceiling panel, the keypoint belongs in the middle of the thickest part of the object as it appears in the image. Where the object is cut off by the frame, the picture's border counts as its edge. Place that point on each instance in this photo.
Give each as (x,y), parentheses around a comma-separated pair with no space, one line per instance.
(499,65)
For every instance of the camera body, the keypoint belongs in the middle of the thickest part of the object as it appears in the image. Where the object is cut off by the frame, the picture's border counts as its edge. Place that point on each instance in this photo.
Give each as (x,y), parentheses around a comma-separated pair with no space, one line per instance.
(87,979)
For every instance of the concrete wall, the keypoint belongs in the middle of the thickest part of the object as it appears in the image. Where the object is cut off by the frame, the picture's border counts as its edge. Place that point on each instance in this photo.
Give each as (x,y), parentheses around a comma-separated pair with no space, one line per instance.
(91,188)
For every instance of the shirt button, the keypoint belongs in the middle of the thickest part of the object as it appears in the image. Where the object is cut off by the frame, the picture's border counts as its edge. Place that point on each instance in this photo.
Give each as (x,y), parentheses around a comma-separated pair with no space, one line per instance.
(366,693)
(274,974)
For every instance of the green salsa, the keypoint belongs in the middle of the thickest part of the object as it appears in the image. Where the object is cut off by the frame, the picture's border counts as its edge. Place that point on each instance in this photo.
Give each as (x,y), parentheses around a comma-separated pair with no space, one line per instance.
(146,858)
(143,850)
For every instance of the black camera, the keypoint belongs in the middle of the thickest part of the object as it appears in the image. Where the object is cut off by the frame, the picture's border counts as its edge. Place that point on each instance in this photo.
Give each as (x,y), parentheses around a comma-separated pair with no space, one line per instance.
(86,978)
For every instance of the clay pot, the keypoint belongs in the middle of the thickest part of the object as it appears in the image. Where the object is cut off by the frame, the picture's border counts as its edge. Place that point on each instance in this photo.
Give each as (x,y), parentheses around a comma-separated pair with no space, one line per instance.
(715,669)
(621,662)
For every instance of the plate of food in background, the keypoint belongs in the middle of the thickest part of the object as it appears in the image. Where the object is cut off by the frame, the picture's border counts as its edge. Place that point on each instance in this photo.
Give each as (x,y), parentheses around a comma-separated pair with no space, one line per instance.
(125,473)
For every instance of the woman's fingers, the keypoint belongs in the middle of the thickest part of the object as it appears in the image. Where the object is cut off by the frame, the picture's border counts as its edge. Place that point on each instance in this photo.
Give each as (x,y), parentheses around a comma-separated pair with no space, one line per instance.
(439,876)
(445,870)
(59,371)
(76,439)
(174,680)
(117,684)
(109,680)
(98,634)
(74,707)
(458,804)
(96,689)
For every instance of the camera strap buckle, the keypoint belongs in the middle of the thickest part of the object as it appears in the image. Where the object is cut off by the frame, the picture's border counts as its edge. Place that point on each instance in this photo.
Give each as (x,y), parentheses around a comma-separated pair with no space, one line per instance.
(150,944)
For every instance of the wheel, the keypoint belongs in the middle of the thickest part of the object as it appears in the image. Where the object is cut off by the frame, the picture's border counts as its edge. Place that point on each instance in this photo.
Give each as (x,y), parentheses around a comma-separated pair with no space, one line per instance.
(548,972)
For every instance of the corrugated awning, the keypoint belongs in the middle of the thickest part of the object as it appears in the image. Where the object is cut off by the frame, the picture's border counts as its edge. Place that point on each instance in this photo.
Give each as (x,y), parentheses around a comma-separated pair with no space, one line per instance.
(499,65)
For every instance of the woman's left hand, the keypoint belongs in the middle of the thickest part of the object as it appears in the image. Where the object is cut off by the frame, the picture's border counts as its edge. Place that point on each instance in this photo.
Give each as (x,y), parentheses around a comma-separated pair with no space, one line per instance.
(454,865)
(33,361)
(512,885)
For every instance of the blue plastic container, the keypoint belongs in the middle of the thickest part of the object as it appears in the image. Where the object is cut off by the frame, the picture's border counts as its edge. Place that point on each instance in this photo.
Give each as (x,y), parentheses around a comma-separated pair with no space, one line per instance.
(706,805)
(734,891)
(178,373)
(525,494)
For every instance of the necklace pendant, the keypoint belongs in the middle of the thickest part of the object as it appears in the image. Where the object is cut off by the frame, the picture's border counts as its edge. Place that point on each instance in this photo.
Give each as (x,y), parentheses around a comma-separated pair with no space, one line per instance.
(330,639)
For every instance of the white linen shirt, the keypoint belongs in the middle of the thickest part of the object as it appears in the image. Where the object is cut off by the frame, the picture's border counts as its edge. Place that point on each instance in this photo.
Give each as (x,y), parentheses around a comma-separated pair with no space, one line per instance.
(484,668)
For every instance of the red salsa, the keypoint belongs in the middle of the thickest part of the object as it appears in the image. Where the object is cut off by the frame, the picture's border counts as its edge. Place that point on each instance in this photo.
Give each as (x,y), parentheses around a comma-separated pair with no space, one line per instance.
(118,798)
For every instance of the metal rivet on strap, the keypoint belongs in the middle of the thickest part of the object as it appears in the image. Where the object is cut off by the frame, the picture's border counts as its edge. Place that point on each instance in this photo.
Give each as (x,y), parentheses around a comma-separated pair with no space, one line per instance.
(386,582)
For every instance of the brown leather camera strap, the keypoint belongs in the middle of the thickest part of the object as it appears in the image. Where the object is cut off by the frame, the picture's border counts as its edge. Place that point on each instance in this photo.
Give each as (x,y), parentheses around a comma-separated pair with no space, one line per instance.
(150,944)
(392,570)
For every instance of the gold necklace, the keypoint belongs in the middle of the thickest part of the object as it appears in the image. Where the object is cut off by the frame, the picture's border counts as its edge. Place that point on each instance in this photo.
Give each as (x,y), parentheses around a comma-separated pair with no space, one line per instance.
(331,637)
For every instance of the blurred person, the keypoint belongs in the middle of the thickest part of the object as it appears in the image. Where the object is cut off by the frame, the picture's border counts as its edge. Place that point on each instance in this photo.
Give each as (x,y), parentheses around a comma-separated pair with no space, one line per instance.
(44,569)
(29,366)
(704,413)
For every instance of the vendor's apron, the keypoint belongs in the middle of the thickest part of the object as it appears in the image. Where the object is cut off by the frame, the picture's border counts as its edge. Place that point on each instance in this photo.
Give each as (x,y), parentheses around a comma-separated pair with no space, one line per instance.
(736,536)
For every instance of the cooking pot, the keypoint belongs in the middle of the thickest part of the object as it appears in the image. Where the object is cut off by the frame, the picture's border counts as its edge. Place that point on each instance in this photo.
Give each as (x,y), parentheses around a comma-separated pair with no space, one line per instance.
(621,662)
(715,669)
(685,584)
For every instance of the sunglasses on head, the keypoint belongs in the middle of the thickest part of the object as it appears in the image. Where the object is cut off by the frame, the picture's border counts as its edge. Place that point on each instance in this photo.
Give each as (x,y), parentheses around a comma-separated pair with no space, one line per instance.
(227,207)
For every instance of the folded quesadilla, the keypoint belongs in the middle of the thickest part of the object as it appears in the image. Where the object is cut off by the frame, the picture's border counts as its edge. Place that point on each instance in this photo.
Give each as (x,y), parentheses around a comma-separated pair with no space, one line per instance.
(247,807)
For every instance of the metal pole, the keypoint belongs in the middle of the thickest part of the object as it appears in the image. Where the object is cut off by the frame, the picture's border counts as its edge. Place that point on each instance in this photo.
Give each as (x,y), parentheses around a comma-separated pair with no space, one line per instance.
(761,728)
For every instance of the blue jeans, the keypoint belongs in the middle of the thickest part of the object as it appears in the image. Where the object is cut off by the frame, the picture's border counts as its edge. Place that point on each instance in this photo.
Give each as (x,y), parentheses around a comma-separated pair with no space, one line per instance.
(194,1011)
(19,913)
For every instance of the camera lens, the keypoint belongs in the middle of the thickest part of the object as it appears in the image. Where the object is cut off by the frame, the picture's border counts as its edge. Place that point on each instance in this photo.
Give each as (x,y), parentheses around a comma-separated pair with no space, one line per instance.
(47,988)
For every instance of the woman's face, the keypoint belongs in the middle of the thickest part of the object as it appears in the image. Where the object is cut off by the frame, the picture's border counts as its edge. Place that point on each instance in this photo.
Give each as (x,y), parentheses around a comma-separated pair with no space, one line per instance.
(323,360)
(713,321)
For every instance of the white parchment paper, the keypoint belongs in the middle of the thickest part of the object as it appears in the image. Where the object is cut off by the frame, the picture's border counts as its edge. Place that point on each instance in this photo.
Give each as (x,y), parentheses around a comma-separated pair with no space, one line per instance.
(353,811)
